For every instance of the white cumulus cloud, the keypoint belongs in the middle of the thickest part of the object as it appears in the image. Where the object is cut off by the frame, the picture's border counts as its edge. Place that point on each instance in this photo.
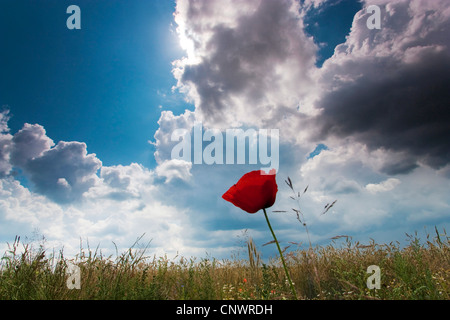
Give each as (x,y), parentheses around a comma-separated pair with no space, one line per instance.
(383,186)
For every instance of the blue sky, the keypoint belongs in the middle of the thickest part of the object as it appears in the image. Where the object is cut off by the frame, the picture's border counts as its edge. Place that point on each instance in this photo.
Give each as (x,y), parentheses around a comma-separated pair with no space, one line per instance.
(101,84)
(88,116)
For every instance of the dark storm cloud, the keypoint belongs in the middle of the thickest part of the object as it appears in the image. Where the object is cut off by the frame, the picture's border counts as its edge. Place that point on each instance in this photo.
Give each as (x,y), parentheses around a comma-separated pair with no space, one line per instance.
(389,88)
(407,111)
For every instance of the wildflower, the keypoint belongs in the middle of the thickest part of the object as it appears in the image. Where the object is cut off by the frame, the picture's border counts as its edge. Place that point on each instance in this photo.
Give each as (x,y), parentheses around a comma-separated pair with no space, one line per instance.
(253,192)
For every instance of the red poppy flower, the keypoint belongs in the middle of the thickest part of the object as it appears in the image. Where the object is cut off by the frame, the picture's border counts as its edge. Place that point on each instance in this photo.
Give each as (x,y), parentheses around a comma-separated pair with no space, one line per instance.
(256,190)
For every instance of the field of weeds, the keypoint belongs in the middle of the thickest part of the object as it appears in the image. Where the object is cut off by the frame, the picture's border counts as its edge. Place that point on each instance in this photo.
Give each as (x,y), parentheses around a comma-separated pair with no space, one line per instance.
(419,271)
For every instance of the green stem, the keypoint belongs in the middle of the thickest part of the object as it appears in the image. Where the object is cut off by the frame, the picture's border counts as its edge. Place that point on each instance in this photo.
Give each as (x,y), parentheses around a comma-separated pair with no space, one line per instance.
(281,256)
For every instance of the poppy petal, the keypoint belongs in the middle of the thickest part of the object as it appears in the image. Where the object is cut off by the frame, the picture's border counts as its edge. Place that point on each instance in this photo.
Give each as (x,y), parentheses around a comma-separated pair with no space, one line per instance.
(256,190)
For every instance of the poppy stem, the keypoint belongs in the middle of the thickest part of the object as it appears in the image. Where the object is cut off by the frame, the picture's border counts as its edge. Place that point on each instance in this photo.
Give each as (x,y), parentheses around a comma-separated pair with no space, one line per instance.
(281,256)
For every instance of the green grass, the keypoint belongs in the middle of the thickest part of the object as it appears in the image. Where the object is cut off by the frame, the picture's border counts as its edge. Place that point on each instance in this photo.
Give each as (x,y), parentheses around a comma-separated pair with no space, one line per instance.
(420,270)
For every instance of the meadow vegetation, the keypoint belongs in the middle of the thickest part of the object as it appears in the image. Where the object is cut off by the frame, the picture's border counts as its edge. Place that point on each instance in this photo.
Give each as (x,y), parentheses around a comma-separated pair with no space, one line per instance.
(419,270)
